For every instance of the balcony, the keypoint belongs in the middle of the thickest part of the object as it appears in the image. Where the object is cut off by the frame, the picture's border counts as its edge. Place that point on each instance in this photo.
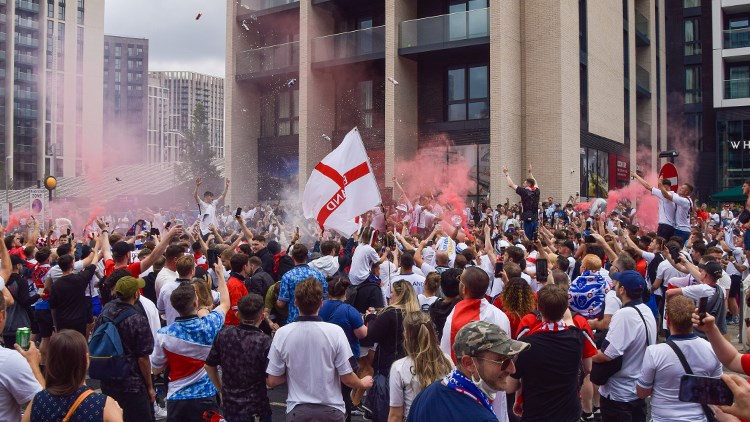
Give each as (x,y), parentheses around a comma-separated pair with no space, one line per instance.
(24,113)
(271,59)
(2,55)
(641,30)
(27,23)
(2,36)
(27,59)
(737,38)
(349,47)
(642,82)
(25,131)
(27,6)
(25,95)
(736,88)
(24,76)
(265,7)
(455,30)
(26,41)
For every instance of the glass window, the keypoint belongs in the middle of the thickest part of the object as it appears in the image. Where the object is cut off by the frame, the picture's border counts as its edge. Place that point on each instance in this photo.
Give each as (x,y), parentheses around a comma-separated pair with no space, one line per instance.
(691,3)
(476,106)
(366,104)
(118,50)
(692,37)
(50,8)
(61,10)
(692,84)
(283,123)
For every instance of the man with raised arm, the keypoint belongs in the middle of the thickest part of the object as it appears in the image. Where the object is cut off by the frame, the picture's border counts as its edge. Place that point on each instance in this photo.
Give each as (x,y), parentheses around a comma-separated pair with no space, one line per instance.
(207,206)
(666,207)
(530,195)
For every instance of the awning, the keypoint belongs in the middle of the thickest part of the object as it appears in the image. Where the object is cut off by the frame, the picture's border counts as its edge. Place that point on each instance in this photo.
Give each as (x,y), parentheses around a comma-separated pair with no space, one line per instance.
(730,195)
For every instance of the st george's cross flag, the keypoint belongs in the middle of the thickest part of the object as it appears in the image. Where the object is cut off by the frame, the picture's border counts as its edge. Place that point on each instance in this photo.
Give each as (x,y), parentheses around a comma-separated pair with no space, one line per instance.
(341,187)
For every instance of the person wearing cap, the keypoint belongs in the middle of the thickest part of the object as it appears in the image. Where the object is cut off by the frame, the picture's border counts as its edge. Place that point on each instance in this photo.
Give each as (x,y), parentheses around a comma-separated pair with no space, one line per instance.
(566,249)
(708,274)
(135,393)
(484,359)
(631,330)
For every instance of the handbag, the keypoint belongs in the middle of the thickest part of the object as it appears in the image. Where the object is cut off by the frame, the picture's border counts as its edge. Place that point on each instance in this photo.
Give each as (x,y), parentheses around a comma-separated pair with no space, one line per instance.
(707,410)
(601,372)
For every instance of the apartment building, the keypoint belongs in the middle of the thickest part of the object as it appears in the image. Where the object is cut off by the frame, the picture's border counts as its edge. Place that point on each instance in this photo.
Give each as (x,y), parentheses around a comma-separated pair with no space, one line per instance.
(125,99)
(51,87)
(185,90)
(573,87)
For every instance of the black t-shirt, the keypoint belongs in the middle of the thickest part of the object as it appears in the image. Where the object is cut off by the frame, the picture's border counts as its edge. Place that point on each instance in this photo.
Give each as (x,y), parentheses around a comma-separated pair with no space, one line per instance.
(68,298)
(388,331)
(439,312)
(529,202)
(368,295)
(548,371)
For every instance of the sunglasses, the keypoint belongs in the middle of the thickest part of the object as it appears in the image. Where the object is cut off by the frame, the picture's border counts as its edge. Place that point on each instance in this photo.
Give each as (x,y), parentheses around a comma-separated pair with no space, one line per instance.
(504,363)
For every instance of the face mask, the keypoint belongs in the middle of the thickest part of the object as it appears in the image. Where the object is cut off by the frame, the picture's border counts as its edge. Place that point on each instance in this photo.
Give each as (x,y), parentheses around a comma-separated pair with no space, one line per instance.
(482,384)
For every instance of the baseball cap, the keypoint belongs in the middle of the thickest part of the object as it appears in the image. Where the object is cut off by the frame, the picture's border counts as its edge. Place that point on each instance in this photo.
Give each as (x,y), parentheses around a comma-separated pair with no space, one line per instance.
(128,285)
(480,336)
(569,244)
(631,280)
(120,249)
(713,268)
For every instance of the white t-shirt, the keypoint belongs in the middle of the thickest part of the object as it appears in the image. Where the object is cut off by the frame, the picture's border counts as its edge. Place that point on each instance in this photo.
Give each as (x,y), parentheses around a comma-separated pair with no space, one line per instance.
(328,265)
(682,212)
(612,303)
(163,303)
(665,271)
(416,280)
(739,257)
(165,276)
(404,385)
(666,208)
(697,291)
(363,259)
(725,282)
(662,371)
(17,384)
(152,314)
(627,338)
(208,215)
(313,355)
(425,302)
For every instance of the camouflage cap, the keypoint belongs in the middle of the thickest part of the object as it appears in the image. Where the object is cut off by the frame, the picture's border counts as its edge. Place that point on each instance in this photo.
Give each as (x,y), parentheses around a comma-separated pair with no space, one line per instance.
(480,336)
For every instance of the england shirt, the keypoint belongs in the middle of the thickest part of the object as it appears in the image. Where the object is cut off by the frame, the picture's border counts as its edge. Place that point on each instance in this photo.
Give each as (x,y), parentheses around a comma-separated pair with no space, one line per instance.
(666,208)
(208,215)
(683,206)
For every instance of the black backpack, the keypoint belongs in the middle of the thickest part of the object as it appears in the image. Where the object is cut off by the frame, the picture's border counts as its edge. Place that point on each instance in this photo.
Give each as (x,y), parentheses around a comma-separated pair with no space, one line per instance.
(107,285)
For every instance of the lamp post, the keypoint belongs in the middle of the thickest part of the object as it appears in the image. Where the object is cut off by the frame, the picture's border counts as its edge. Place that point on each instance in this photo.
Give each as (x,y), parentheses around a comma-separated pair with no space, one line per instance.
(50,182)
(670,155)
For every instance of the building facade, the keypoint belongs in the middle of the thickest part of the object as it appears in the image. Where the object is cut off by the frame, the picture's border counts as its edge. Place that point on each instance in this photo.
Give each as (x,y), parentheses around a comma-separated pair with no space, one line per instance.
(575,88)
(185,90)
(157,150)
(125,99)
(51,86)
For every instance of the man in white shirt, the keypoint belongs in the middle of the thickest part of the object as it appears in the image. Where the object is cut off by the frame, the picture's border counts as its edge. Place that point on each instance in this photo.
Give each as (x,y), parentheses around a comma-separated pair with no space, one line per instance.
(666,207)
(631,330)
(328,263)
(708,273)
(310,349)
(208,206)
(185,272)
(169,272)
(662,369)
(683,208)
(407,273)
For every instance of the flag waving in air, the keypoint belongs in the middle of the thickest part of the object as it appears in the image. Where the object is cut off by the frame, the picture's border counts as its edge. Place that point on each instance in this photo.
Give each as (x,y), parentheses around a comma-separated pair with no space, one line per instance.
(341,187)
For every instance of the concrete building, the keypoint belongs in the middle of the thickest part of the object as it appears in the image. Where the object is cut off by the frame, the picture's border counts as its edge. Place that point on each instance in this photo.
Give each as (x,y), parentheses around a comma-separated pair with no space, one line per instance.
(158,150)
(125,97)
(574,87)
(185,90)
(51,88)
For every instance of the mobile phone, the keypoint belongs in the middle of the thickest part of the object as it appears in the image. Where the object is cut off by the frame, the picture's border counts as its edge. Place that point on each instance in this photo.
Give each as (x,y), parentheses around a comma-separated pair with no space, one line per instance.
(179,222)
(541,270)
(296,230)
(239,212)
(68,231)
(675,254)
(155,231)
(430,243)
(705,390)
(702,305)
(169,223)
(499,269)
(213,257)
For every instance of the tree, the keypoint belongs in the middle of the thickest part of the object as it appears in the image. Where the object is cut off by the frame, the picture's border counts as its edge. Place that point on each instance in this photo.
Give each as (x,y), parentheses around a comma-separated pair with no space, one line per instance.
(197,158)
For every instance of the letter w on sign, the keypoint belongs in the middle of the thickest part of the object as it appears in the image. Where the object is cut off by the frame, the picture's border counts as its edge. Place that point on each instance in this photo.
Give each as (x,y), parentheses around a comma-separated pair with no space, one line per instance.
(341,187)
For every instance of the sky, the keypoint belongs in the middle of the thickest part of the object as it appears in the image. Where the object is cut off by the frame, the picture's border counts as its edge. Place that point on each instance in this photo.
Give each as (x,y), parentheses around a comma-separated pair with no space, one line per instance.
(176,40)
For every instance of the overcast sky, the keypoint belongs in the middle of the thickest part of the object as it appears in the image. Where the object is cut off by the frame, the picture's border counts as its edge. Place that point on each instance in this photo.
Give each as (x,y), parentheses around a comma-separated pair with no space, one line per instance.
(176,40)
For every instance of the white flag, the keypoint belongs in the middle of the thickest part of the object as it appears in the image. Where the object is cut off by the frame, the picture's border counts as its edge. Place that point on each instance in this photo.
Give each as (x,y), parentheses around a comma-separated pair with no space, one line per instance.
(341,187)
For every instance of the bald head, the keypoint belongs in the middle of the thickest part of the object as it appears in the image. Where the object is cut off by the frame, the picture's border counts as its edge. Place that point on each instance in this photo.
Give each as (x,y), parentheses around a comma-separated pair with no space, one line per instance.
(442,259)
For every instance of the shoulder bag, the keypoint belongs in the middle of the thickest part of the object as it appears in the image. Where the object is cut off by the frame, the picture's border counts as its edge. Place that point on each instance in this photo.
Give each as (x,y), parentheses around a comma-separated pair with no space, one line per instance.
(601,372)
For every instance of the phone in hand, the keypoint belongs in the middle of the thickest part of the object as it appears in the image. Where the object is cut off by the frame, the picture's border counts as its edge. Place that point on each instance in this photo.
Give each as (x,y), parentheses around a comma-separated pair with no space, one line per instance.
(702,305)
(213,257)
(169,223)
(499,269)
(705,390)
(541,270)
(238,212)
(675,254)
(155,231)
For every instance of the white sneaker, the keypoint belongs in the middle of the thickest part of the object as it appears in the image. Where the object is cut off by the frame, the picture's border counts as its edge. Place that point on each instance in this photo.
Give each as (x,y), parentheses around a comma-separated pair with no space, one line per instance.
(160,412)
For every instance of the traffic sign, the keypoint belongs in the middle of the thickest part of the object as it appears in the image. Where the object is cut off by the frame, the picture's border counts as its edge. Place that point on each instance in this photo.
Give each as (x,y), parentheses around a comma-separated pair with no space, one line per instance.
(669,172)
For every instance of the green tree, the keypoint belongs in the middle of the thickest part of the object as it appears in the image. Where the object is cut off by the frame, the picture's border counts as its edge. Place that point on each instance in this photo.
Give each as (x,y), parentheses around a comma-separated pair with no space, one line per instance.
(197,158)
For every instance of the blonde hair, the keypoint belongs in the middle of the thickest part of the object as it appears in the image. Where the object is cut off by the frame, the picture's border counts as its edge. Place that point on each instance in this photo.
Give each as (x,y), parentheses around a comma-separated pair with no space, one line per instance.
(592,263)
(203,292)
(421,346)
(405,297)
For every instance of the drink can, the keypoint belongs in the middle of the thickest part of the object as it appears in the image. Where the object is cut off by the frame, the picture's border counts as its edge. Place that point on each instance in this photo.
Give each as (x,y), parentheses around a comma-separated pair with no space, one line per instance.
(23,337)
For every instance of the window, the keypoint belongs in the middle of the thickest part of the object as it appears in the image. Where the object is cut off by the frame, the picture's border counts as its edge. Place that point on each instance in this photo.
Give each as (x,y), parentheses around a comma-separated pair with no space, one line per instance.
(691,3)
(692,37)
(117,64)
(81,10)
(468,93)
(365,104)
(738,83)
(463,23)
(139,50)
(50,8)
(61,46)
(118,50)
(61,10)
(693,84)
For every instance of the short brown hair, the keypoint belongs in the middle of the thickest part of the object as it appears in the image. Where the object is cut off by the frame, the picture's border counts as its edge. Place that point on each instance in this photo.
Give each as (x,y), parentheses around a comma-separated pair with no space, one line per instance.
(338,285)
(432,282)
(185,265)
(65,363)
(552,302)
(183,299)
(299,253)
(680,313)
(476,282)
(308,296)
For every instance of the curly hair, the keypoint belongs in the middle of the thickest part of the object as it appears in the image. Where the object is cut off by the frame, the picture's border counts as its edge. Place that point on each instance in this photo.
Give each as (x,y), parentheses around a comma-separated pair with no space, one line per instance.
(518,298)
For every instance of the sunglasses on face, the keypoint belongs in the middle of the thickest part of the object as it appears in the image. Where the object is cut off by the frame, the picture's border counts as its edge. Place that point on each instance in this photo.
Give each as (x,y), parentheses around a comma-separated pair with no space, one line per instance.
(504,363)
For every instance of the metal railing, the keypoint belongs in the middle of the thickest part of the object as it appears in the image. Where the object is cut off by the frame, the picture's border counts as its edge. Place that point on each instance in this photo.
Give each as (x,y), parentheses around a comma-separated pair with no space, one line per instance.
(24,76)
(23,94)
(274,57)
(27,41)
(25,113)
(737,38)
(737,88)
(27,23)
(445,28)
(257,5)
(25,59)
(348,45)
(27,5)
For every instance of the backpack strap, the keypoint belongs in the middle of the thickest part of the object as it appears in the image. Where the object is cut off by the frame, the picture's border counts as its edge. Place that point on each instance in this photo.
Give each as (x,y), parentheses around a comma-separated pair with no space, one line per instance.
(124,314)
(77,403)
(644,322)
(685,366)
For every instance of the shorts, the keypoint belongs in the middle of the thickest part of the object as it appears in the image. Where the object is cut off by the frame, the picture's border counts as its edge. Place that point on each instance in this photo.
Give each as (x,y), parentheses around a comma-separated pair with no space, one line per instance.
(665,230)
(44,321)
(96,306)
(32,322)
(736,286)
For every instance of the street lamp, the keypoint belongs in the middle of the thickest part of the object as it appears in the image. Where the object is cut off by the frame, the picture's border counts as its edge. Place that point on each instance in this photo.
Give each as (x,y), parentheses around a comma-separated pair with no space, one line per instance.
(670,155)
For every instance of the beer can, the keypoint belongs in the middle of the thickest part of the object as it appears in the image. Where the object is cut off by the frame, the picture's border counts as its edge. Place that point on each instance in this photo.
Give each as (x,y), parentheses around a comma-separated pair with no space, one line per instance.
(23,337)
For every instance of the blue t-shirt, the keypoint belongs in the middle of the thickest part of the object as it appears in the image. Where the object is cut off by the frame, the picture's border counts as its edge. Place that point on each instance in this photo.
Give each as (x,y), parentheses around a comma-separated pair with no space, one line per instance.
(346,317)
(439,403)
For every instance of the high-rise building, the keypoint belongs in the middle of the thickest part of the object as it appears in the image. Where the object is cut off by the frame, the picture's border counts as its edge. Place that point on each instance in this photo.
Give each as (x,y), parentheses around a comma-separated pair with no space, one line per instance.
(158,149)
(575,88)
(709,88)
(185,90)
(125,99)
(50,68)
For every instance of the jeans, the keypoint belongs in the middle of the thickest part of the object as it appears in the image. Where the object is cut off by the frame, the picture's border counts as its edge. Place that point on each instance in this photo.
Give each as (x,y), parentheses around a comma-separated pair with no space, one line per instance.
(136,407)
(684,235)
(617,411)
(665,230)
(530,227)
(190,410)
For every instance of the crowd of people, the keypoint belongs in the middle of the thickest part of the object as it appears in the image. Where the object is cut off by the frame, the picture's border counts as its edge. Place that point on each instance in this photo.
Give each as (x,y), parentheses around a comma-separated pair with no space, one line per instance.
(532,310)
